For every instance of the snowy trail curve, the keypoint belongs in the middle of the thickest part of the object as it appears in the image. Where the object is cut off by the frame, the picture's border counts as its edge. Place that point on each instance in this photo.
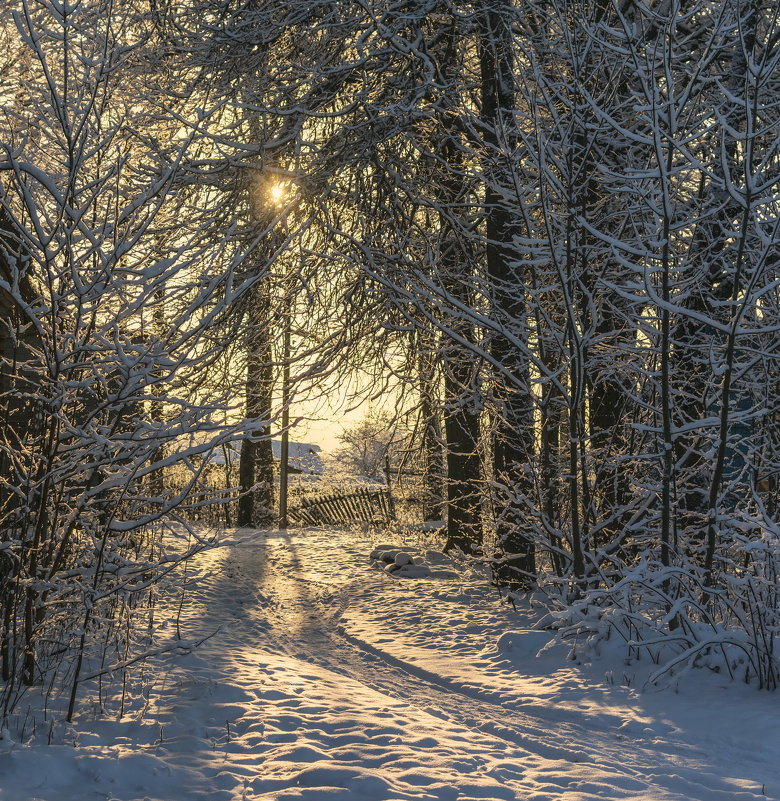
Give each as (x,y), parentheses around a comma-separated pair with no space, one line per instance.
(536,753)
(329,680)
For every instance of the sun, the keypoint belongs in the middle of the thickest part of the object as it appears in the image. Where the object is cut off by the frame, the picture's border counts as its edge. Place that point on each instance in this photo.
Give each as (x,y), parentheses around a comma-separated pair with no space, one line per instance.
(277,192)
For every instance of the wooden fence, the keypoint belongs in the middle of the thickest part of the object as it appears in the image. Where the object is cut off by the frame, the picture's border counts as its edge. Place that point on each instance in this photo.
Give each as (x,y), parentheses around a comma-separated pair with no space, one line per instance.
(362,505)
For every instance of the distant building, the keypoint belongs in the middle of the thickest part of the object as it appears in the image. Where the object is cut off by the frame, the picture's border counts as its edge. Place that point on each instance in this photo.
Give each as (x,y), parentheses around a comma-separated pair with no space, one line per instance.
(304,458)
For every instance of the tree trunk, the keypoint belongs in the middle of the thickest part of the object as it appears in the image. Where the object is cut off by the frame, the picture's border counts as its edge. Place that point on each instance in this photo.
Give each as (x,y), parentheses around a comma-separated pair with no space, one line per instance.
(256,464)
(462,397)
(513,442)
(433,467)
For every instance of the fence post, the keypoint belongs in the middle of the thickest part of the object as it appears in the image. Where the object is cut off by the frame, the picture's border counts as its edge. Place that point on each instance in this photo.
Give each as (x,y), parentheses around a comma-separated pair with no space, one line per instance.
(390,501)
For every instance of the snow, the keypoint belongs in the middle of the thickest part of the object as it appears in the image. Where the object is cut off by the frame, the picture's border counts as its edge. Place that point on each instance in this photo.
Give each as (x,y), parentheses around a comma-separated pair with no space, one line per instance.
(303,457)
(328,678)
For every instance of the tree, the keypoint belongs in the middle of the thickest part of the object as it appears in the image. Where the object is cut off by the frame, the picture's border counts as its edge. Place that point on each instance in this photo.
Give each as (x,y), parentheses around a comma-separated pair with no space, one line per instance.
(370,445)
(554,225)
(513,437)
(114,268)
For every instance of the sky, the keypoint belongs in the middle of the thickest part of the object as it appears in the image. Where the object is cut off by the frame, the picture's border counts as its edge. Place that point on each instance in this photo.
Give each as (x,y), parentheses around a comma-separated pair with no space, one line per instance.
(324,419)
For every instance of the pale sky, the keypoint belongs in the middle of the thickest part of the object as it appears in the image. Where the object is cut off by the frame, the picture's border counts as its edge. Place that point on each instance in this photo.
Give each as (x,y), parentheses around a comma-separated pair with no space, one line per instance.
(321,432)
(325,418)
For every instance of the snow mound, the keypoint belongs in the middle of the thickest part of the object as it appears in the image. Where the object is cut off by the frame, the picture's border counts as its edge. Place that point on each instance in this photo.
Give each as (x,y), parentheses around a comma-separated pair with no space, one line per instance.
(521,646)
(412,571)
(410,562)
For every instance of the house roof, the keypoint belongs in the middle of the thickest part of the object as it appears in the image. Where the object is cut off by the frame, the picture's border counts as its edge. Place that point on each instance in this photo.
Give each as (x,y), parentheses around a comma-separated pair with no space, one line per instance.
(304,457)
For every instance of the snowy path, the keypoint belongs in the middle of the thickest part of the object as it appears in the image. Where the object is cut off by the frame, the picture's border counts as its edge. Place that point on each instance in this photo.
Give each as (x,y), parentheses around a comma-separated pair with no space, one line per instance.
(332,680)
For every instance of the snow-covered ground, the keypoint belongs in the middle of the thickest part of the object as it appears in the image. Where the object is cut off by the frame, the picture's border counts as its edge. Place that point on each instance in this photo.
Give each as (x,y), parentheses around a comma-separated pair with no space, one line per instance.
(332,677)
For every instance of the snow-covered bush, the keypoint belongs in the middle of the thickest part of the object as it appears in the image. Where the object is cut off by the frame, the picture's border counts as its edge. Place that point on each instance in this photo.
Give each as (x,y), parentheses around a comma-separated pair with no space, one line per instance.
(672,617)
